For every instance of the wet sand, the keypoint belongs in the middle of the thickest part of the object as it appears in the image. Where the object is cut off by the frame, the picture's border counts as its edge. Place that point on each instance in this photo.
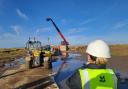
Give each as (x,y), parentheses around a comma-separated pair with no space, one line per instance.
(36,78)
(9,54)
(30,79)
(119,64)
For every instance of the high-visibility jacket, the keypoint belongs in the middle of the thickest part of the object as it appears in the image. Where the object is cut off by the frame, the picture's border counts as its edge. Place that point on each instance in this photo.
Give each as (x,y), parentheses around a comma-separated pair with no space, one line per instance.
(98,79)
(47,54)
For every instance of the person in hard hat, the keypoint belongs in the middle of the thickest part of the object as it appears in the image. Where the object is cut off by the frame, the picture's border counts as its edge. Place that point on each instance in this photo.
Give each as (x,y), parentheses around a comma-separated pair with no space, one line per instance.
(94,74)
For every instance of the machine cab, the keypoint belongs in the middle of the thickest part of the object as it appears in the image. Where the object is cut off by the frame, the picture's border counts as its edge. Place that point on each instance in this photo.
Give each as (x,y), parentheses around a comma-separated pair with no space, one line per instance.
(33,45)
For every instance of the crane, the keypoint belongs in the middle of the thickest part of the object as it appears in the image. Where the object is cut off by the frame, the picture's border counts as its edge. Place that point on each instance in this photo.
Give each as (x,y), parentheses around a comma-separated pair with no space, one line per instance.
(64,42)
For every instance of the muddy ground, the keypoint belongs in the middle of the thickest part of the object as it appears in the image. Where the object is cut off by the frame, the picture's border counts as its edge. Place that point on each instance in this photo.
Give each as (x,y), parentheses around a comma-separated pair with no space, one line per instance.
(9,54)
(119,60)
(21,78)
(119,64)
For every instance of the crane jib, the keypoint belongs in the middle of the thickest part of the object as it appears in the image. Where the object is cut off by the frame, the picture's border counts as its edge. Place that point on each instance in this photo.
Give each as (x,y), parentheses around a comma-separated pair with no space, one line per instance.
(59,32)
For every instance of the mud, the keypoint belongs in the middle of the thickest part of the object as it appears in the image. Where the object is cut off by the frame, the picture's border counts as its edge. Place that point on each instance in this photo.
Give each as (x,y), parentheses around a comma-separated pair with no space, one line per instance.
(26,79)
(119,64)
(15,75)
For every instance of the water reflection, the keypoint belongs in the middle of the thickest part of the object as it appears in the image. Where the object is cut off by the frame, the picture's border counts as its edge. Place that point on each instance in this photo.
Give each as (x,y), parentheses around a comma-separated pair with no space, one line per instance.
(14,63)
(70,64)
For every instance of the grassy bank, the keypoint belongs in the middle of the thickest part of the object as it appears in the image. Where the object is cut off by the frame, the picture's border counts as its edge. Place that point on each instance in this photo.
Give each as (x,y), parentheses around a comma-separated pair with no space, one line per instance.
(119,50)
(11,53)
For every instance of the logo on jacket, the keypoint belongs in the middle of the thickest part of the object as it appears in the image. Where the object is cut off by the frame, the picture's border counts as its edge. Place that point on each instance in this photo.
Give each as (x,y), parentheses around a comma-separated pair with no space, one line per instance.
(102,79)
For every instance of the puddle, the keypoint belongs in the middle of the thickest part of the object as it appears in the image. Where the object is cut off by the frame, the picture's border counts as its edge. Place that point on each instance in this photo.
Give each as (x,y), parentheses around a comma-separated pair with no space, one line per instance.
(72,63)
(74,55)
(14,63)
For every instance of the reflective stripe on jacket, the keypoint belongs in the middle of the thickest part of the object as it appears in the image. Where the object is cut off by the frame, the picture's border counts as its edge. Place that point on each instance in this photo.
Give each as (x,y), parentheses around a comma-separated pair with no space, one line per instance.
(98,79)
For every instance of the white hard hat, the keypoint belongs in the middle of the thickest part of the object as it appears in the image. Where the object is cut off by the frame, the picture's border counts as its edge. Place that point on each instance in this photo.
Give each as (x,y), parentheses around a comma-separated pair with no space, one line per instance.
(98,48)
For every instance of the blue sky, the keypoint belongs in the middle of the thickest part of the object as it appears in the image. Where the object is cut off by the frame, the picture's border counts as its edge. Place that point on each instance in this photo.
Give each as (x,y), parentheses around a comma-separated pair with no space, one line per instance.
(81,21)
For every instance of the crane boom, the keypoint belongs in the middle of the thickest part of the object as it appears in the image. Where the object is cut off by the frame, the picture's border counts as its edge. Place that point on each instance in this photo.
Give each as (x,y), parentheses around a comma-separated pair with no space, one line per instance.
(59,32)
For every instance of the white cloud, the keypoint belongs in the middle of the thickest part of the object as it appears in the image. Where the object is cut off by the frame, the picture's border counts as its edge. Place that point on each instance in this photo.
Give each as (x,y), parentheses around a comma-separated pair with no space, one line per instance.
(6,36)
(16,29)
(8,40)
(64,21)
(88,21)
(71,36)
(76,39)
(21,14)
(120,25)
(45,29)
(113,38)
(75,30)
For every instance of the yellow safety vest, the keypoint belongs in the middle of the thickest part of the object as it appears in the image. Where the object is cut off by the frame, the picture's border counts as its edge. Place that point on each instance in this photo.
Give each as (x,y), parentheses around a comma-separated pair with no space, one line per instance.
(47,54)
(98,79)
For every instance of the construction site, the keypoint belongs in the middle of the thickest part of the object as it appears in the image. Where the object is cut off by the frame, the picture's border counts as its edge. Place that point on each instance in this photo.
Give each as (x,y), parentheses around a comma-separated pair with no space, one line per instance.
(63,44)
(48,67)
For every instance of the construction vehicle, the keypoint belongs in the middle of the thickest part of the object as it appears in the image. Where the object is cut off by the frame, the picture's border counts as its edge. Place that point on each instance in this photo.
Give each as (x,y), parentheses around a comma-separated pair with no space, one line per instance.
(63,47)
(33,48)
(35,51)
(30,45)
